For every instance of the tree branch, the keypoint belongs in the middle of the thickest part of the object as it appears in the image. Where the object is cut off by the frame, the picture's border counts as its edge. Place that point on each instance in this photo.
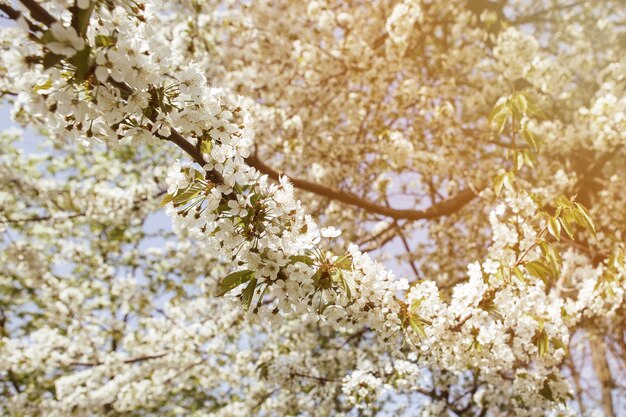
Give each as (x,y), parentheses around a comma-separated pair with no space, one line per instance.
(15,14)
(42,218)
(38,13)
(323,380)
(443,208)
(126,361)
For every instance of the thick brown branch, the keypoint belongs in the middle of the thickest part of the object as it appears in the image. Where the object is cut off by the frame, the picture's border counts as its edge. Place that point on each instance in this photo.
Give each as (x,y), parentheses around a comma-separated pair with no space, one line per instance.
(15,14)
(10,11)
(405,243)
(443,208)
(195,154)
(176,138)
(186,146)
(38,13)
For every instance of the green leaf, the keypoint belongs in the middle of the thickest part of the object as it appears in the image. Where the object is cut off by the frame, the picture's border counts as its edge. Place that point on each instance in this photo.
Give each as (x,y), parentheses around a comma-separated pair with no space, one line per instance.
(47,37)
(538,269)
(184,197)
(519,274)
(509,179)
(586,222)
(530,138)
(345,281)
(167,198)
(255,198)
(234,280)
(247,293)
(301,258)
(546,392)
(500,273)
(519,161)
(553,257)
(528,159)
(206,146)
(500,115)
(316,277)
(349,284)
(567,227)
(500,122)
(563,202)
(260,299)
(543,343)
(554,227)
(198,175)
(192,172)
(222,207)
(498,182)
(534,110)
(498,109)
(42,86)
(520,106)
(82,63)
(323,279)
(559,344)
(503,180)
(105,41)
(417,326)
(344,262)
(416,304)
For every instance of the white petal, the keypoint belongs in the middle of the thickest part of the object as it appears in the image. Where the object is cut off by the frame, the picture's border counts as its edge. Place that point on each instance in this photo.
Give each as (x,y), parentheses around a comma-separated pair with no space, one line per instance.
(102,74)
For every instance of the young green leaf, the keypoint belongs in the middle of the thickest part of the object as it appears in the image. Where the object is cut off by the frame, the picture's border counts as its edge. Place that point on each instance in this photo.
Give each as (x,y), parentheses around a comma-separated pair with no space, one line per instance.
(520,106)
(345,281)
(81,60)
(499,115)
(530,138)
(538,269)
(104,40)
(234,280)
(542,342)
(528,158)
(498,182)
(546,392)
(301,258)
(519,274)
(585,217)
(519,161)
(247,293)
(43,86)
(184,197)
(554,227)
(417,326)
(344,262)
(206,146)
(167,198)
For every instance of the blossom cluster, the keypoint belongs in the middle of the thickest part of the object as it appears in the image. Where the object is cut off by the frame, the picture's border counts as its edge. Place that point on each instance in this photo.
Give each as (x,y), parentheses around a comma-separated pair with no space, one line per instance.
(292,317)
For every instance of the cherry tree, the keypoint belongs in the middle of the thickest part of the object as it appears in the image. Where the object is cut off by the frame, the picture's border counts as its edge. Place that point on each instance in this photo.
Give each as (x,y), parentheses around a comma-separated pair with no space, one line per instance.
(377,208)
